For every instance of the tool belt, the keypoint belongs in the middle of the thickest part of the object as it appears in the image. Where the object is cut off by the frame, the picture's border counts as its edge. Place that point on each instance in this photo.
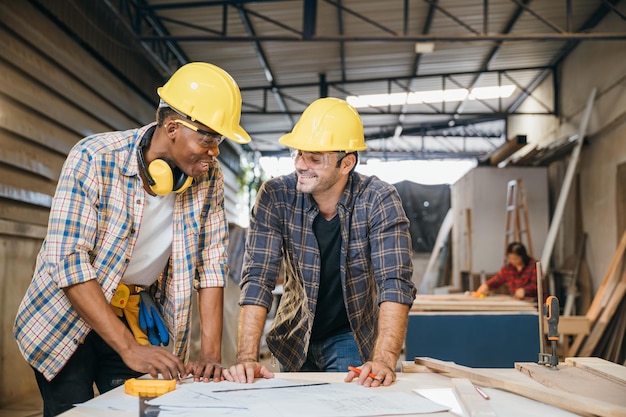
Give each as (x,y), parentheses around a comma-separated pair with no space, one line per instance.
(141,313)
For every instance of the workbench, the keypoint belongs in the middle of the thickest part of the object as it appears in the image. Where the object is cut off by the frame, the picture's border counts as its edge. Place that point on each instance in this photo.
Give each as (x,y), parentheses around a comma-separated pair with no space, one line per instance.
(503,403)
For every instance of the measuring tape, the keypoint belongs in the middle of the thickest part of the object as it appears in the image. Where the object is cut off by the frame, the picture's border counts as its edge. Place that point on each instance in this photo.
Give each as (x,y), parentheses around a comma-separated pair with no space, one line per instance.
(149,387)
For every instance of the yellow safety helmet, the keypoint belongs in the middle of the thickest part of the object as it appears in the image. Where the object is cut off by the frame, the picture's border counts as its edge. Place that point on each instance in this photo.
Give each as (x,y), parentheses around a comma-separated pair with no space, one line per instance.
(209,95)
(328,124)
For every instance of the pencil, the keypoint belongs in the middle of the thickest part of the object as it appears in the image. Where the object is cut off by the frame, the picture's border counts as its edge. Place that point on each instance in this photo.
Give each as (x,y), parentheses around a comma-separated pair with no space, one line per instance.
(482,393)
(358,371)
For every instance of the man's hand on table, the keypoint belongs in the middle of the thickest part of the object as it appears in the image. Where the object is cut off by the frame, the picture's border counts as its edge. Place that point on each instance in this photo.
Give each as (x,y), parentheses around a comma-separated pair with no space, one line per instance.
(384,375)
(246,372)
(205,370)
(154,360)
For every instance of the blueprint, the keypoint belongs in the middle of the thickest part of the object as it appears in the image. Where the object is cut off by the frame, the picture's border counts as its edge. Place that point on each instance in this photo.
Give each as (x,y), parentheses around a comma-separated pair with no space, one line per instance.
(281,398)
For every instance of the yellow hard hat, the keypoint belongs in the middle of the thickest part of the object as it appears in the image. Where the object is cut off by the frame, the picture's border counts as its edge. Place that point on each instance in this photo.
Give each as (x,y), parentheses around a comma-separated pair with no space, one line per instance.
(328,124)
(209,95)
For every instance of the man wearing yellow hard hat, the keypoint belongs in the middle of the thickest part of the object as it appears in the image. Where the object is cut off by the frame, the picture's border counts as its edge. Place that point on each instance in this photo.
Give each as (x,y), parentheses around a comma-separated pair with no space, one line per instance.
(344,241)
(137,225)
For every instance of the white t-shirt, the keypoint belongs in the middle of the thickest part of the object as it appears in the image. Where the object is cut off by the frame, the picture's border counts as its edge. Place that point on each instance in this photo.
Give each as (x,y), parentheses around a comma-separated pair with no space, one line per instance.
(154,242)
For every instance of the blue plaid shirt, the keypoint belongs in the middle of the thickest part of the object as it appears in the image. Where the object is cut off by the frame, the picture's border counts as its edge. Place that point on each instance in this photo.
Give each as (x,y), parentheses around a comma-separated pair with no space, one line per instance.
(96,213)
(375,260)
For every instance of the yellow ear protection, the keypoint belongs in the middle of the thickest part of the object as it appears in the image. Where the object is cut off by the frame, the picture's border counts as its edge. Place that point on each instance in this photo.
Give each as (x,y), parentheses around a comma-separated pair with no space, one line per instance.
(161,177)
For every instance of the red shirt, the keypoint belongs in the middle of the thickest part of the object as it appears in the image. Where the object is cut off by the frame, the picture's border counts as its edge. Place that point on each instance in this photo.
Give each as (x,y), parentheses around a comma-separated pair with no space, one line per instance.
(526,278)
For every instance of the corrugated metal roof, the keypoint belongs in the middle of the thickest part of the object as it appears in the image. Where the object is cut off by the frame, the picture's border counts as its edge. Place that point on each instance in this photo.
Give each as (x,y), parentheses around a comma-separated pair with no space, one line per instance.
(284,57)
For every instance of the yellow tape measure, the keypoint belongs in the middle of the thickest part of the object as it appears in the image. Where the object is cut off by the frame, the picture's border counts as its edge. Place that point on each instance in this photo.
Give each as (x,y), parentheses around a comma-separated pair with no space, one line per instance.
(149,387)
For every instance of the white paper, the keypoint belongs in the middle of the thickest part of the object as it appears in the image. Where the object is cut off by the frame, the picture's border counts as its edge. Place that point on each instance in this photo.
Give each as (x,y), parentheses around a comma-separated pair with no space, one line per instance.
(277,397)
(121,403)
(443,396)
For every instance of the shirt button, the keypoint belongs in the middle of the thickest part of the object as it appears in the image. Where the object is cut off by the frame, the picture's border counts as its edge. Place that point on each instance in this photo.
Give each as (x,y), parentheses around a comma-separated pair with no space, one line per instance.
(132,231)
(75,341)
(127,260)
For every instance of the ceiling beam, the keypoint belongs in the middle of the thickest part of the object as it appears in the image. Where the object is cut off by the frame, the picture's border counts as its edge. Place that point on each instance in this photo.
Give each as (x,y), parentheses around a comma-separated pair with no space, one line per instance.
(522,37)
(269,75)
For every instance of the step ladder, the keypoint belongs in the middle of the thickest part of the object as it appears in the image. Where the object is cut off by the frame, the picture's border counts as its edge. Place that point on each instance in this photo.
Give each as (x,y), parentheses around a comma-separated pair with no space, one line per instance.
(517,225)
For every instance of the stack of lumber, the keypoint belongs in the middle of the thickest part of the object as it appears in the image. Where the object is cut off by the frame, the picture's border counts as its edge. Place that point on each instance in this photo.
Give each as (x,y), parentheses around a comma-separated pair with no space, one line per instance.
(586,386)
(606,315)
(460,302)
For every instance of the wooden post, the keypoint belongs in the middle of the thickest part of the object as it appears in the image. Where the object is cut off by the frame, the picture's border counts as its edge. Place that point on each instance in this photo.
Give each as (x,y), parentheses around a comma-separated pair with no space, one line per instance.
(567,182)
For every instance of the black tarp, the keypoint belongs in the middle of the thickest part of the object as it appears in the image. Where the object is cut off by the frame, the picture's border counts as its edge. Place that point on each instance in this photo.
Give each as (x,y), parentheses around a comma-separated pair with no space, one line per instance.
(425,206)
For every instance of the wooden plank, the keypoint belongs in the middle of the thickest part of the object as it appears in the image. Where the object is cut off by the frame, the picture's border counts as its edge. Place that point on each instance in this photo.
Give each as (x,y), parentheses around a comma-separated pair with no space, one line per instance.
(410,367)
(472,404)
(555,223)
(575,381)
(29,62)
(24,123)
(571,325)
(47,38)
(599,300)
(599,366)
(11,228)
(28,157)
(600,326)
(430,274)
(47,103)
(574,403)
(620,197)
(452,302)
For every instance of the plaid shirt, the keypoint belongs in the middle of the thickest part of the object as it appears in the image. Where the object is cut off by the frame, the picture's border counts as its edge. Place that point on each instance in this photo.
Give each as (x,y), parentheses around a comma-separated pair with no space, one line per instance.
(526,279)
(375,260)
(96,213)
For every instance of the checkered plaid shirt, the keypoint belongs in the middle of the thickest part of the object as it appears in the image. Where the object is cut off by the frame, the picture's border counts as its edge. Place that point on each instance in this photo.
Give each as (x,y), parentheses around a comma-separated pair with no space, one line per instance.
(375,260)
(96,213)
(508,274)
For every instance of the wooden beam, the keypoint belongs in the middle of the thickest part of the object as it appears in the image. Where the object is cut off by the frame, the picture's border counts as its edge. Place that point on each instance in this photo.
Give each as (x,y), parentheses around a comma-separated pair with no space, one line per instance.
(555,223)
(566,401)
(575,381)
(602,367)
(602,323)
(505,150)
(430,275)
(12,228)
(602,295)
(571,325)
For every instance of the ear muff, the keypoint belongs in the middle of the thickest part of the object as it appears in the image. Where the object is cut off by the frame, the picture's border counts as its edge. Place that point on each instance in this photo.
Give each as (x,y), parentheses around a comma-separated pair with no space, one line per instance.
(161,178)
(167,179)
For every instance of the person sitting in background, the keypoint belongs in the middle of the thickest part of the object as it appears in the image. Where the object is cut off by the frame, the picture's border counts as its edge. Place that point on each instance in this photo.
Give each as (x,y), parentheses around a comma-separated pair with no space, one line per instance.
(519,273)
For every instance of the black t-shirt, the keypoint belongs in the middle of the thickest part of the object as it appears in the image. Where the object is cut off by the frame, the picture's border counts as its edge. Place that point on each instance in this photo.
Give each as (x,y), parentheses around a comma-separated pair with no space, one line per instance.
(330,315)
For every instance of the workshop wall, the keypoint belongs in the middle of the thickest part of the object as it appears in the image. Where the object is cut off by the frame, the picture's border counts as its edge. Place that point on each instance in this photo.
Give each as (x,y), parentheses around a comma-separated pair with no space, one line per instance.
(600,65)
(53,92)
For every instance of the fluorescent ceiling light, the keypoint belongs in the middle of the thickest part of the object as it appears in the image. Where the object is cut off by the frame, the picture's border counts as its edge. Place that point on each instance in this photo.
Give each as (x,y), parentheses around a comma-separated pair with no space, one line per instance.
(424,47)
(433,96)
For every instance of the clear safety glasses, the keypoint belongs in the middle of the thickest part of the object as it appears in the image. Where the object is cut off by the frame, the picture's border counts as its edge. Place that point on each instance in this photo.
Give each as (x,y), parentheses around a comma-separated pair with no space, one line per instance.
(316,160)
(208,138)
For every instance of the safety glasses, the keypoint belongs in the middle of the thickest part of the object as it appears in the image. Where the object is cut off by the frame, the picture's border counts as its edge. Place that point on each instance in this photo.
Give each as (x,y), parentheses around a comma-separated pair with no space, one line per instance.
(208,138)
(316,160)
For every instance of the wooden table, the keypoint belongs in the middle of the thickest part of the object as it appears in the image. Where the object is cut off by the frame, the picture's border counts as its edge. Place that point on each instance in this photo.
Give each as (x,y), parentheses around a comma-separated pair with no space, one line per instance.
(503,403)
